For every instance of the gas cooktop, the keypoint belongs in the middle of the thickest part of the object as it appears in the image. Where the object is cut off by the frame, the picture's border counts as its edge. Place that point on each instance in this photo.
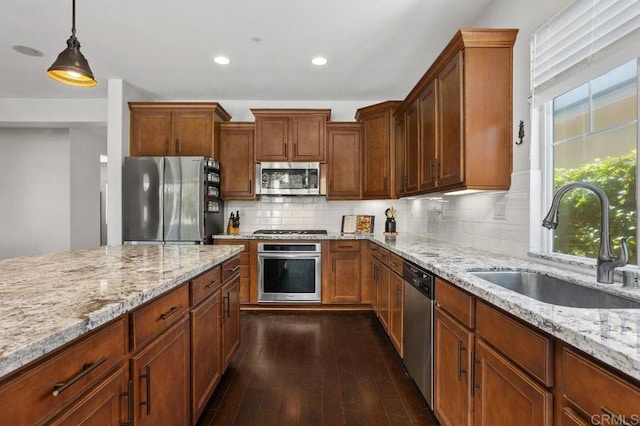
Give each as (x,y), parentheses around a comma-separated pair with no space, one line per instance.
(291,231)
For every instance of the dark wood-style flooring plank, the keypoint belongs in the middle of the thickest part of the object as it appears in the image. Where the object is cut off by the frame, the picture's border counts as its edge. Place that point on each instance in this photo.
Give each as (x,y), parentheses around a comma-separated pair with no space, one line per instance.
(315,368)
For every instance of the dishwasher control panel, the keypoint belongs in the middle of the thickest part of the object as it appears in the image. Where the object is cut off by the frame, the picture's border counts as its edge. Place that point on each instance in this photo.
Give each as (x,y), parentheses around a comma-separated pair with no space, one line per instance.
(419,278)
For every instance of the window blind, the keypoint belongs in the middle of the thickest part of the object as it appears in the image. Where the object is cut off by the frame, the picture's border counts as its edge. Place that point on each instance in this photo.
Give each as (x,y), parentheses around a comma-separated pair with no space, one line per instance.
(583,33)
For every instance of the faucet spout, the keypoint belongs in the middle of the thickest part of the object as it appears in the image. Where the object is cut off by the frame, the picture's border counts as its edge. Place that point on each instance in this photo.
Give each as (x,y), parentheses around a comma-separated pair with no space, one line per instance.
(606,262)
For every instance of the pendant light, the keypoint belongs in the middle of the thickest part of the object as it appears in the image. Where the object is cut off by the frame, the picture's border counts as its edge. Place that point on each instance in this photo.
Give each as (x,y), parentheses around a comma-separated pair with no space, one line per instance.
(71,67)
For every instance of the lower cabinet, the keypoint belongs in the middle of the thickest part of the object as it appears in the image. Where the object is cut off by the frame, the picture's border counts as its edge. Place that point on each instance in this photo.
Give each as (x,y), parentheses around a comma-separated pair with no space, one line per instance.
(453,345)
(503,394)
(107,404)
(396,305)
(489,368)
(230,319)
(160,374)
(344,281)
(382,287)
(206,355)
(601,397)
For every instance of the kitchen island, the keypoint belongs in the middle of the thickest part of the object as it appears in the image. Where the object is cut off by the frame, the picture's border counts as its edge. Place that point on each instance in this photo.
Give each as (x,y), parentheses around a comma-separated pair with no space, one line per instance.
(49,300)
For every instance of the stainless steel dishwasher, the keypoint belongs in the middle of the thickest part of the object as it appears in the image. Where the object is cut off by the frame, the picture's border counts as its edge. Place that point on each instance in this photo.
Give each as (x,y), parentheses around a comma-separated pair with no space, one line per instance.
(417,326)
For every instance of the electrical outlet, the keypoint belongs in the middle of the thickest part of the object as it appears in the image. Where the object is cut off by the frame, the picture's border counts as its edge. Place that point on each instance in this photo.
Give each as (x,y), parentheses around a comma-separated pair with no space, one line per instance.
(500,211)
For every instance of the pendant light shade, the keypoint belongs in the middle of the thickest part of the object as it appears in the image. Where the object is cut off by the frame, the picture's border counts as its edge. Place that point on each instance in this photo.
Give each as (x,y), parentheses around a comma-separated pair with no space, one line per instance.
(71,67)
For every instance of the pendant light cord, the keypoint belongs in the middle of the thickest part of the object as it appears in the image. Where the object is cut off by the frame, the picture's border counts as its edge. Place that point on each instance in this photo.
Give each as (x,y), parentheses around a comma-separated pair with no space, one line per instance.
(73,19)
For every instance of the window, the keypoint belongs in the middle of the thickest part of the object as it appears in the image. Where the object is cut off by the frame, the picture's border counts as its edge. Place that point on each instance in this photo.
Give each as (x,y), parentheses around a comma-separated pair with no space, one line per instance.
(594,139)
(584,81)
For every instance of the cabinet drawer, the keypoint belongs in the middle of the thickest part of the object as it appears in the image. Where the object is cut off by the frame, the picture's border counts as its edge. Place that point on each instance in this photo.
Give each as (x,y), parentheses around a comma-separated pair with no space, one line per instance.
(529,349)
(380,253)
(345,245)
(395,263)
(153,317)
(596,391)
(29,399)
(205,284)
(230,268)
(457,302)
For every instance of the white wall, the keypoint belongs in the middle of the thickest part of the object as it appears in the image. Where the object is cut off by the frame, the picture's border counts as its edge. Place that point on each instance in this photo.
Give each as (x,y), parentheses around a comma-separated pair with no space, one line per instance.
(86,147)
(34,189)
(340,110)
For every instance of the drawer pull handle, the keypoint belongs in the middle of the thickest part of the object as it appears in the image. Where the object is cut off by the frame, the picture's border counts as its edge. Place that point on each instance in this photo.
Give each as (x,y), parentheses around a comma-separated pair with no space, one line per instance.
(171,311)
(235,268)
(460,370)
(617,419)
(345,246)
(87,368)
(147,376)
(212,283)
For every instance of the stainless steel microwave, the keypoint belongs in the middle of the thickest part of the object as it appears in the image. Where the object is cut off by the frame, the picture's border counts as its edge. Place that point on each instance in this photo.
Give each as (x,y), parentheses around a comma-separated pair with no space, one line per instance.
(288,178)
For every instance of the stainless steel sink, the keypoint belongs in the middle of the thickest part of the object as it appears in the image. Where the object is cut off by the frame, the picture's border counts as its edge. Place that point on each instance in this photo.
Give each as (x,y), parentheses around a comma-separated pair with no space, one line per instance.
(555,290)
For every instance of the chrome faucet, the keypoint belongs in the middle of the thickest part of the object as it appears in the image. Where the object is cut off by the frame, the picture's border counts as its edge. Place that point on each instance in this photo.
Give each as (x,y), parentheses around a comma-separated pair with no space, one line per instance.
(606,262)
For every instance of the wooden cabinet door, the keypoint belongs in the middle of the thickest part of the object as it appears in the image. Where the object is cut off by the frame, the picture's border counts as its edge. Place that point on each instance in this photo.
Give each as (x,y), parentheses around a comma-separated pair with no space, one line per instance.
(272,138)
(105,405)
(193,133)
(450,99)
(308,138)
(428,137)
(452,365)
(343,161)
(376,154)
(150,133)
(412,155)
(345,278)
(237,163)
(375,265)
(160,374)
(396,293)
(400,141)
(384,284)
(206,352)
(506,395)
(230,319)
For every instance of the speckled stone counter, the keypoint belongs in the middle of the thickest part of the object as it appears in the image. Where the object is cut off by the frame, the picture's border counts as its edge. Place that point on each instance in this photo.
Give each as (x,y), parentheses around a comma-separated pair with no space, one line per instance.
(49,300)
(610,335)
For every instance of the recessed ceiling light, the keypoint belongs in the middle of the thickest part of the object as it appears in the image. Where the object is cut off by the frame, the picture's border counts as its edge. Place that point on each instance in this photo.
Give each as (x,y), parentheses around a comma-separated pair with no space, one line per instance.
(256,39)
(29,51)
(221,60)
(319,60)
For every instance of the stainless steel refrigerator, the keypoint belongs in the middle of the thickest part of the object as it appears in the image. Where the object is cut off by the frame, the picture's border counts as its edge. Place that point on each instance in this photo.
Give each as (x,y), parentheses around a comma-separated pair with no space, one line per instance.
(172,200)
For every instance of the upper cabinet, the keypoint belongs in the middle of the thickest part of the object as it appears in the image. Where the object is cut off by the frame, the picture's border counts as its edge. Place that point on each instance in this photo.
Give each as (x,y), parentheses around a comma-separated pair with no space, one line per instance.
(291,134)
(175,128)
(343,160)
(236,159)
(458,119)
(378,150)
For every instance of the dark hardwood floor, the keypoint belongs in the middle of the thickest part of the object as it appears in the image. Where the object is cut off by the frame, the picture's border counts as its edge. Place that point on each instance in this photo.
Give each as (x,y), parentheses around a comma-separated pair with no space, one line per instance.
(315,368)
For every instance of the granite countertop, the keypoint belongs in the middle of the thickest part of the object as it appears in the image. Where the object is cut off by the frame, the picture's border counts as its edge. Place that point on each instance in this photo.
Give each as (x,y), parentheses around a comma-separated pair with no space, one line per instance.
(49,300)
(610,335)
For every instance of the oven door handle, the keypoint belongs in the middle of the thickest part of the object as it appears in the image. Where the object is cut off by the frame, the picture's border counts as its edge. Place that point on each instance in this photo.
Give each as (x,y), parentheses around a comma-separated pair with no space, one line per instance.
(289,255)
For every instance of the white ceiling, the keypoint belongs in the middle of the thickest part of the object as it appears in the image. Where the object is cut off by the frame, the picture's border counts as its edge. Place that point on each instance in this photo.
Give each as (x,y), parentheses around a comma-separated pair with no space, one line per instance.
(377,49)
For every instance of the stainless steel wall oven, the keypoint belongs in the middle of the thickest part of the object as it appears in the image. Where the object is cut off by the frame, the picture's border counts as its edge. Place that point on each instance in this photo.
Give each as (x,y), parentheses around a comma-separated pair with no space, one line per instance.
(289,272)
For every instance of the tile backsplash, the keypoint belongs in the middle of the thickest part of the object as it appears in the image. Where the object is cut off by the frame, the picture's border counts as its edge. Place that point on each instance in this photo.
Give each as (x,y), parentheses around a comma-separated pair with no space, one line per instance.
(318,213)
(491,221)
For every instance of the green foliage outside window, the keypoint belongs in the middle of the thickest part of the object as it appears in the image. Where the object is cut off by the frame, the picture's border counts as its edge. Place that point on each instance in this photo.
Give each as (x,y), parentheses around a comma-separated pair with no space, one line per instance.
(578,230)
